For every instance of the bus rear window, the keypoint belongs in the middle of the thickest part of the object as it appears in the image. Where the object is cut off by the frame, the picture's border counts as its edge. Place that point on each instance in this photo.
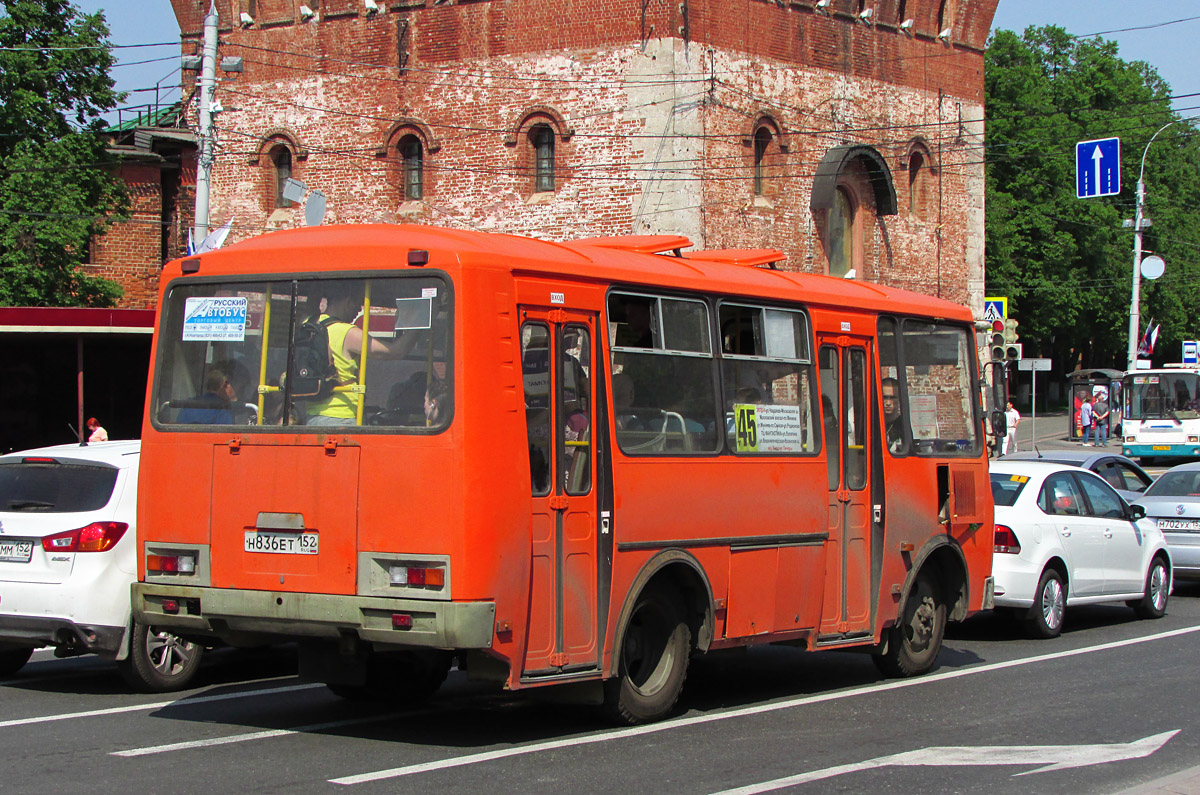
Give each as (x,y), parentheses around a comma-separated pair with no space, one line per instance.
(371,353)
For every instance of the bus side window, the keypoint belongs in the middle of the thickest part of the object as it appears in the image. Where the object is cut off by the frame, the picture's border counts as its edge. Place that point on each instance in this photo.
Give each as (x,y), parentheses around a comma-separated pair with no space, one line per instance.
(535,370)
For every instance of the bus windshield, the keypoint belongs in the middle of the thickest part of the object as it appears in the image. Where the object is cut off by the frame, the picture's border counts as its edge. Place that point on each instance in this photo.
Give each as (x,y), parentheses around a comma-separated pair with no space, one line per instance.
(236,353)
(1162,395)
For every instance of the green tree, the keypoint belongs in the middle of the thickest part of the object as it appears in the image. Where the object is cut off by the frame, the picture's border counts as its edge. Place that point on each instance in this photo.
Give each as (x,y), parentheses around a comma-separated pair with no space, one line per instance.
(58,184)
(1065,263)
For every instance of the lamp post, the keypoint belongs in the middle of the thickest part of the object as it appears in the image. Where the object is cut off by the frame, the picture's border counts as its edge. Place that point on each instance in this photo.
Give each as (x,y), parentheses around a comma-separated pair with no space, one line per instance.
(1135,299)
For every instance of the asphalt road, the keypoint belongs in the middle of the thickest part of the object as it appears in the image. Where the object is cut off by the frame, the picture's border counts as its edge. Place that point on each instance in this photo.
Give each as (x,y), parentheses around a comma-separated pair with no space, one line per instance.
(1001,707)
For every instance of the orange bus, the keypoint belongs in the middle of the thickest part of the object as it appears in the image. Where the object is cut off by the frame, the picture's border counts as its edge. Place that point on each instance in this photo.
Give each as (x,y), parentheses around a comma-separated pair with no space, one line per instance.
(569,464)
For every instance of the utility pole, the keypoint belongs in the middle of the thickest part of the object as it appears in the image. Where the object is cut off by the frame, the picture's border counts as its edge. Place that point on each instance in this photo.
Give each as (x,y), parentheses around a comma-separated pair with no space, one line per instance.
(1135,299)
(208,84)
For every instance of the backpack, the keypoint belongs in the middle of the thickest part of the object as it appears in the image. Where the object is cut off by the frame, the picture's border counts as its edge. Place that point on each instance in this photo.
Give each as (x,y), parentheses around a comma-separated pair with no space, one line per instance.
(315,374)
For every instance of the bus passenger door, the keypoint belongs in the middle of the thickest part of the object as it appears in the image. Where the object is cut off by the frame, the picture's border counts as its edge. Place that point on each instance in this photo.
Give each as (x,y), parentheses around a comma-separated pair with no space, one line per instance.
(845,378)
(558,363)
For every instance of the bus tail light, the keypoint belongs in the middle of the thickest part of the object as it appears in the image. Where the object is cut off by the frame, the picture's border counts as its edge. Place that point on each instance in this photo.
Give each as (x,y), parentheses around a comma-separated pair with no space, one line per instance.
(171,564)
(1006,540)
(96,537)
(402,621)
(417,576)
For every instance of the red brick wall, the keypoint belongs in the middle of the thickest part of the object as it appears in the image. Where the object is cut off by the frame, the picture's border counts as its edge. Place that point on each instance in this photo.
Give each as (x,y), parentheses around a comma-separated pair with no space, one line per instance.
(653,104)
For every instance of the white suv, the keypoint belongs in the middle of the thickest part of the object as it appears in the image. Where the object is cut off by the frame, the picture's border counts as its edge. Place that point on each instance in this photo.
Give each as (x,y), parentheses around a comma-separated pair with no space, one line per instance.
(68,555)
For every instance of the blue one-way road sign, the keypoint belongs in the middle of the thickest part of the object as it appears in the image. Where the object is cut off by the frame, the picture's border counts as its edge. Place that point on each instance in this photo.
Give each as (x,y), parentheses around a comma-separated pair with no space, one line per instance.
(1098,168)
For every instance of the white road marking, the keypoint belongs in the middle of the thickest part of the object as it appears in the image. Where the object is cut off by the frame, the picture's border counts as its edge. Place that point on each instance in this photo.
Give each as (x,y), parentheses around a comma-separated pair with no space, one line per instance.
(184,702)
(678,723)
(1052,757)
(262,735)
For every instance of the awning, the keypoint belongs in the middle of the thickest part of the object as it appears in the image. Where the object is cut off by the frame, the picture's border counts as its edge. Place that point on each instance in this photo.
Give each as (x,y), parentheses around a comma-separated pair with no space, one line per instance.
(826,180)
(75,320)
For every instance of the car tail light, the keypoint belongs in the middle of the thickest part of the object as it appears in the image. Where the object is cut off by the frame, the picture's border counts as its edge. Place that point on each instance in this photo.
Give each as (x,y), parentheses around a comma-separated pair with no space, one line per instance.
(96,537)
(171,564)
(1006,540)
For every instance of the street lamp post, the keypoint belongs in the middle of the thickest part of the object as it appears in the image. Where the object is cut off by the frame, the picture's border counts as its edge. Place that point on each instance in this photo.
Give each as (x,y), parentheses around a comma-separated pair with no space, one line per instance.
(1135,299)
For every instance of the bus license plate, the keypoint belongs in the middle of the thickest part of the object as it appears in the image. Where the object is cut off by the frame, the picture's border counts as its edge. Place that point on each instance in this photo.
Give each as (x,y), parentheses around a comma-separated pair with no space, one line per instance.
(1161,447)
(282,543)
(16,551)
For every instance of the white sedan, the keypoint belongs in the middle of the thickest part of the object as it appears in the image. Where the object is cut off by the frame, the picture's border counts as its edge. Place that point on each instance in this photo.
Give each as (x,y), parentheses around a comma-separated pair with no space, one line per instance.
(1064,537)
(68,555)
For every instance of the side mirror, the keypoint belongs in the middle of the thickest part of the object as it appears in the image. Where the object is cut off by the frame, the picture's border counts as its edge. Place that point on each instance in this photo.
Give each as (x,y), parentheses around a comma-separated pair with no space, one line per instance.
(1136,512)
(999,423)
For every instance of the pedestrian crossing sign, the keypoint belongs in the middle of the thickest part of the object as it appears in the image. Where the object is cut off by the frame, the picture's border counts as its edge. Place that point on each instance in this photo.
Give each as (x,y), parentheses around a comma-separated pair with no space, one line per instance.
(995,308)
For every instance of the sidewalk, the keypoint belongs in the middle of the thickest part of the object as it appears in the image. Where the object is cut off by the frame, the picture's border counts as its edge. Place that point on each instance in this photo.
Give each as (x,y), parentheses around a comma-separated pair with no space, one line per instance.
(1052,433)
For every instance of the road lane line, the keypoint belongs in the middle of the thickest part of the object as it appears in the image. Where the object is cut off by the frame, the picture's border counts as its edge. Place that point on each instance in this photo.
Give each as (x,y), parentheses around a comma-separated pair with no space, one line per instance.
(260,735)
(678,723)
(186,702)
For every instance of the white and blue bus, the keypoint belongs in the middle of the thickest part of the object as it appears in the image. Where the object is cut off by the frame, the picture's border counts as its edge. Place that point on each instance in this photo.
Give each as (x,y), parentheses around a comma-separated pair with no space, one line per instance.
(1162,413)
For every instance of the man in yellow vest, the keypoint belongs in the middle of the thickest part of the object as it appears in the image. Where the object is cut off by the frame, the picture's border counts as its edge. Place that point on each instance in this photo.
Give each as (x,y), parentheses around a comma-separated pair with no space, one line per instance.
(343,304)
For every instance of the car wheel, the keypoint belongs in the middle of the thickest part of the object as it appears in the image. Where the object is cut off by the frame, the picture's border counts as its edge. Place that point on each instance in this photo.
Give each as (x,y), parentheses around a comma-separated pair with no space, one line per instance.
(913,644)
(1158,586)
(13,659)
(1049,603)
(158,661)
(653,660)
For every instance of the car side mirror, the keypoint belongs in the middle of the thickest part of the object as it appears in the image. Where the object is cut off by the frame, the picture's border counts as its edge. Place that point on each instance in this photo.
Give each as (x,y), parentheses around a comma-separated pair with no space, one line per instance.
(1136,512)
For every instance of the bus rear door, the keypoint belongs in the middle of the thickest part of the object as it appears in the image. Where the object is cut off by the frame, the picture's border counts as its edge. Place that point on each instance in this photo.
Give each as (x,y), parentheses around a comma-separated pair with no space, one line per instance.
(845,380)
(558,363)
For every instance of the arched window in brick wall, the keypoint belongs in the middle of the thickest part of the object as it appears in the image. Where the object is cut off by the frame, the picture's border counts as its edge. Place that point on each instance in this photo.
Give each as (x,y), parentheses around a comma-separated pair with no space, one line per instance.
(412,158)
(541,138)
(843,233)
(852,189)
(919,164)
(537,136)
(405,147)
(280,158)
(762,144)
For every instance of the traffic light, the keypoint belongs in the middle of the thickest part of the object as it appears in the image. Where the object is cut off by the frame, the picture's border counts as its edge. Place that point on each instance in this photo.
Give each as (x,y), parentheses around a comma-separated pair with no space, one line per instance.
(1012,348)
(996,341)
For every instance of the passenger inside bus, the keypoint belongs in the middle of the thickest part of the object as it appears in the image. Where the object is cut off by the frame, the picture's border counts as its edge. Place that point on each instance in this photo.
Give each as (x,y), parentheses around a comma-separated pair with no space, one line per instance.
(343,301)
(892,416)
(436,395)
(214,405)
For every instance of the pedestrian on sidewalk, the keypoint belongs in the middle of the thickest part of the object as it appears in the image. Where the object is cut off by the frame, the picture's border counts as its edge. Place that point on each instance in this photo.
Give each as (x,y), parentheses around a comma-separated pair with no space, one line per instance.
(1100,419)
(1085,419)
(1012,418)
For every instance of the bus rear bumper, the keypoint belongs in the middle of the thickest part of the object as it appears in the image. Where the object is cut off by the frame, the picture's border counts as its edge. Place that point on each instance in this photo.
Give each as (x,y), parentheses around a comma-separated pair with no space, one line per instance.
(248,617)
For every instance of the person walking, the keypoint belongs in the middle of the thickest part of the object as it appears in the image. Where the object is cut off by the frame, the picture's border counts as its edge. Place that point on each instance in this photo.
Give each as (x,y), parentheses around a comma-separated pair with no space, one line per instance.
(1100,419)
(1085,419)
(1012,419)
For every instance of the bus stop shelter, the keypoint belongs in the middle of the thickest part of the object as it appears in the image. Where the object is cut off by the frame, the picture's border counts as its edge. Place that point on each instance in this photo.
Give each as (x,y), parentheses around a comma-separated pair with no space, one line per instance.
(1089,382)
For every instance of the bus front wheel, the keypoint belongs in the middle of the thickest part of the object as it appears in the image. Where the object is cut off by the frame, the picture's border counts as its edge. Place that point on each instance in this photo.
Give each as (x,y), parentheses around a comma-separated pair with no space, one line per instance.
(653,659)
(914,642)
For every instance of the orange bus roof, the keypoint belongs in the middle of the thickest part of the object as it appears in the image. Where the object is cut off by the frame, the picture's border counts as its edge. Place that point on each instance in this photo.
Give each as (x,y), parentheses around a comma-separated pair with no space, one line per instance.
(385,246)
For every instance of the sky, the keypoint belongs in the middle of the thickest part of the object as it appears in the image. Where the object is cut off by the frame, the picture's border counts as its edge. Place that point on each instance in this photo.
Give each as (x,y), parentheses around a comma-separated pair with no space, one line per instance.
(1163,41)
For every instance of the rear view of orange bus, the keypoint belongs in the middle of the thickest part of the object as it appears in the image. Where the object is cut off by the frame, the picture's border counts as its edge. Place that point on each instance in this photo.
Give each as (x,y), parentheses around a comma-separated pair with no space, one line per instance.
(566,465)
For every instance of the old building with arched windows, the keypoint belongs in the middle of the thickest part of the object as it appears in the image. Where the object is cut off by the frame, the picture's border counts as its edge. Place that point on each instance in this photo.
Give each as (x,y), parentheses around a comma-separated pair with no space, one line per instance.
(846,133)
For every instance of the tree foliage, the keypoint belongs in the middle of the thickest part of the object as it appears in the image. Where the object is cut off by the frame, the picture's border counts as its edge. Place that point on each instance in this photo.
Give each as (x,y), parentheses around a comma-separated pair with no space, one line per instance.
(58,185)
(1066,263)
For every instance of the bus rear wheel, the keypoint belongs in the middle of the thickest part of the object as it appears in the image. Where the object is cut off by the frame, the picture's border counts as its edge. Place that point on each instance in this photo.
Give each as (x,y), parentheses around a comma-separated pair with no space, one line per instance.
(403,677)
(913,643)
(653,660)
